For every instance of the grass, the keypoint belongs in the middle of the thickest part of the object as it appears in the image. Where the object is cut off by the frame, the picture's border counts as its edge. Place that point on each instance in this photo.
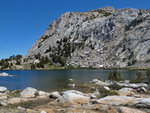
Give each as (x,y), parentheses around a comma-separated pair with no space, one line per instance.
(15,93)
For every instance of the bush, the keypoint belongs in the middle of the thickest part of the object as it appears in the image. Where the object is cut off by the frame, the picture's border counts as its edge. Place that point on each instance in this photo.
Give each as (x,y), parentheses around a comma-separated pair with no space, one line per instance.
(40,64)
(139,78)
(33,66)
(115,76)
(115,86)
(105,92)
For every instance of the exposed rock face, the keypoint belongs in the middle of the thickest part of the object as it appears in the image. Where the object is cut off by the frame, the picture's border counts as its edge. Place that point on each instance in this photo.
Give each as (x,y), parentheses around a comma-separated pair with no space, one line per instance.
(99,38)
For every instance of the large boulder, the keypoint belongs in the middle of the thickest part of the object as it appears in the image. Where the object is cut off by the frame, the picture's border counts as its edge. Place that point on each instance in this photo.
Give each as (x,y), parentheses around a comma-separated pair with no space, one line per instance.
(130,110)
(54,94)
(117,100)
(101,83)
(73,97)
(143,102)
(95,95)
(3,89)
(28,92)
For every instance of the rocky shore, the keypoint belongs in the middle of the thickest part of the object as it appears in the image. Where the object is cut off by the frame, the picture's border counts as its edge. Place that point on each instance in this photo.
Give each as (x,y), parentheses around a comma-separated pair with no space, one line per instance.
(95,97)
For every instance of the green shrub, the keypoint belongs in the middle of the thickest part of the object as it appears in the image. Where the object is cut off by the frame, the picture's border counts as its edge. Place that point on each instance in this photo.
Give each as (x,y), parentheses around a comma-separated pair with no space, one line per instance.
(115,86)
(115,76)
(105,92)
(139,78)
(33,66)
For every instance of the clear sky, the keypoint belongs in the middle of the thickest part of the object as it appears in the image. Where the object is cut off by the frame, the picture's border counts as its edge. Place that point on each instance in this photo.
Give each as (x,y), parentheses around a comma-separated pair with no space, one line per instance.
(22,22)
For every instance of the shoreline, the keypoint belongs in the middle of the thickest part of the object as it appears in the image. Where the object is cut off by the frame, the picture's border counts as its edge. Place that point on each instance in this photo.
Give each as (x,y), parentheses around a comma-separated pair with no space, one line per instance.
(92,96)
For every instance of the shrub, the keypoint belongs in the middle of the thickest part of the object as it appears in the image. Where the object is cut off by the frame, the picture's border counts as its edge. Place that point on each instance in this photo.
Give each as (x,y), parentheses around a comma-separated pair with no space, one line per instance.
(33,66)
(139,78)
(115,86)
(115,76)
(105,92)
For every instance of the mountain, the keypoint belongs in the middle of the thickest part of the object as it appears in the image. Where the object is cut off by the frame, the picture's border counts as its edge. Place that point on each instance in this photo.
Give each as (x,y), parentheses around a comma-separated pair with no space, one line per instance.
(105,37)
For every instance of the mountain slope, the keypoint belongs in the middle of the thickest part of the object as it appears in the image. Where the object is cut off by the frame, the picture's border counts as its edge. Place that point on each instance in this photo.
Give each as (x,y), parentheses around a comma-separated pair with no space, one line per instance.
(99,38)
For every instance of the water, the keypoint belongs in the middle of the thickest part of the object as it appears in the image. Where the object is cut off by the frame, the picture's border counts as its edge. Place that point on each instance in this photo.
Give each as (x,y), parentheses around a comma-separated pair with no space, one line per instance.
(55,79)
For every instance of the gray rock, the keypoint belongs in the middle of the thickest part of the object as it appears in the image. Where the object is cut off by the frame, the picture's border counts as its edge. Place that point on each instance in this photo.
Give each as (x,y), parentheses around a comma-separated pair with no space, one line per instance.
(3,89)
(28,92)
(73,97)
(54,94)
(95,95)
(103,38)
(143,103)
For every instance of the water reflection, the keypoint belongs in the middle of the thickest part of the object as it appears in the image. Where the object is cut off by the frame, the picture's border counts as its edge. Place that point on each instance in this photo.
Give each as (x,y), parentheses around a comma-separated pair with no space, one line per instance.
(55,79)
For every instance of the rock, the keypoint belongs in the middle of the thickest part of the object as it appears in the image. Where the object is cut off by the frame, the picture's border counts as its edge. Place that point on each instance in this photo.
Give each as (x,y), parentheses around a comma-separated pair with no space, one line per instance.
(43,112)
(3,89)
(95,95)
(3,97)
(3,103)
(47,110)
(14,101)
(28,92)
(130,110)
(143,103)
(5,75)
(31,111)
(142,89)
(71,80)
(117,100)
(54,95)
(72,97)
(101,83)
(126,90)
(107,88)
(72,85)
(41,93)
(21,108)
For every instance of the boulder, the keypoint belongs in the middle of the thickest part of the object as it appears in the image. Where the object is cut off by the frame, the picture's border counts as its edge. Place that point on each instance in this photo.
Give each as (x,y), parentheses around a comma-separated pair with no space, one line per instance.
(142,89)
(130,110)
(41,93)
(14,101)
(71,80)
(72,97)
(28,92)
(101,83)
(143,103)
(54,95)
(72,85)
(95,95)
(5,75)
(117,100)
(107,88)
(3,89)
(126,90)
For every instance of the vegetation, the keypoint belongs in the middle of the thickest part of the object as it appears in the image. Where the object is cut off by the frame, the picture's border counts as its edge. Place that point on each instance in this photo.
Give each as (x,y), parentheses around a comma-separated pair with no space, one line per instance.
(114,76)
(115,86)
(139,78)
(148,77)
(105,92)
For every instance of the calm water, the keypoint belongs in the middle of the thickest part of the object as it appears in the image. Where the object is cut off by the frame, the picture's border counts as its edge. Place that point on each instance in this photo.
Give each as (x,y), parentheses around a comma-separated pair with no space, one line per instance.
(55,79)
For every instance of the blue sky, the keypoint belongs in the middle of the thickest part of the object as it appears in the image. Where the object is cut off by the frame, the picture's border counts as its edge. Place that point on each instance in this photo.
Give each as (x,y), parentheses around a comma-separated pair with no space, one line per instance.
(22,22)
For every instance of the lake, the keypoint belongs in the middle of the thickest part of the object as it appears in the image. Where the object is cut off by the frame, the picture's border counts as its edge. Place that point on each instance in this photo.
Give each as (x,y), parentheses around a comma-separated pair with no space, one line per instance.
(56,79)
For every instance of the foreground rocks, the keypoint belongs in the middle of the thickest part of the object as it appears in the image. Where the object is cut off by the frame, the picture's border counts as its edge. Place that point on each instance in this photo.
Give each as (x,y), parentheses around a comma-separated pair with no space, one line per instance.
(98,98)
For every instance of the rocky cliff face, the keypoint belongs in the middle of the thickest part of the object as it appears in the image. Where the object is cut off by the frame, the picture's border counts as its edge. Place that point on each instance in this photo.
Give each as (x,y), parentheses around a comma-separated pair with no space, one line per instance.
(99,38)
